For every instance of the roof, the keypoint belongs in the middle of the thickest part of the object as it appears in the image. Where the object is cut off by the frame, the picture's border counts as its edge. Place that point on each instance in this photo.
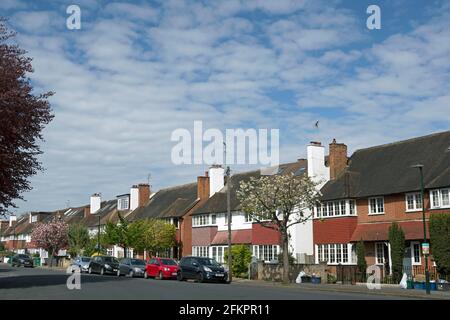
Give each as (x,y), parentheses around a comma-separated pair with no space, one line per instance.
(237,237)
(170,202)
(386,169)
(218,202)
(108,213)
(379,231)
(23,225)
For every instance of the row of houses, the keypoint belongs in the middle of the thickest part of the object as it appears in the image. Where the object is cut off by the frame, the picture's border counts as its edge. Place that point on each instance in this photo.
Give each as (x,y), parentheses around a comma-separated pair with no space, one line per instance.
(362,195)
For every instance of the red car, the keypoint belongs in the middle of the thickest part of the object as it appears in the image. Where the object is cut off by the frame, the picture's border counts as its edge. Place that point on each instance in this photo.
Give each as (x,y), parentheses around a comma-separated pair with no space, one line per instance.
(161,268)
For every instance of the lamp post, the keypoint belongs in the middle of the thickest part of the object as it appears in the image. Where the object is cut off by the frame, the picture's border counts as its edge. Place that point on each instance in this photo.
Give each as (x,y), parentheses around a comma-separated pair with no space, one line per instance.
(98,235)
(228,171)
(427,272)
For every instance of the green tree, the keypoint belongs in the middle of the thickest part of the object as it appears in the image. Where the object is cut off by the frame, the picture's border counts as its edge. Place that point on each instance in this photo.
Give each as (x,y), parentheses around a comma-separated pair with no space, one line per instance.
(241,256)
(440,241)
(118,234)
(78,239)
(397,242)
(152,235)
(361,258)
(91,247)
(279,202)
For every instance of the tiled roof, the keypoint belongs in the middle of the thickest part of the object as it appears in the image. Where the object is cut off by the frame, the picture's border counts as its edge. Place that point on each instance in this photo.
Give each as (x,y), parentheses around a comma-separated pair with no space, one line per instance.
(218,202)
(386,169)
(379,231)
(170,202)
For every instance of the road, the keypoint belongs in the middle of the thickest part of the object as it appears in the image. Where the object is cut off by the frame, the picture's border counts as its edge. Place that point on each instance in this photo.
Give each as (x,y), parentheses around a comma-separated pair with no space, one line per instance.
(40,283)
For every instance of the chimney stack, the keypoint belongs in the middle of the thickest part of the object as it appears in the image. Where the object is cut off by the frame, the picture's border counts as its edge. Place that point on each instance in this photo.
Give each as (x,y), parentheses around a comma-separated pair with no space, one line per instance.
(12,220)
(337,159)
(87,211)
(216,179)
(203,186)
(96,200)
(139,194)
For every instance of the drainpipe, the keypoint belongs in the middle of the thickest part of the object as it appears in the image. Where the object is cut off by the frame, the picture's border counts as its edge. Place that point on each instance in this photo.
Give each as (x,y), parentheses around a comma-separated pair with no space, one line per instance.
(390,259)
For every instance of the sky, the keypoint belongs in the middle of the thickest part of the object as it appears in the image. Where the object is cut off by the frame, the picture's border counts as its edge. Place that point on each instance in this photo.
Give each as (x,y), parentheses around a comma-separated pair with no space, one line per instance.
(138,70)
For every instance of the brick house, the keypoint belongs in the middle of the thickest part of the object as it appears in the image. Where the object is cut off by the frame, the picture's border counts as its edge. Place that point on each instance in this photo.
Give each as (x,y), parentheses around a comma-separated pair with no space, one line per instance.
(375,187)
(210,219)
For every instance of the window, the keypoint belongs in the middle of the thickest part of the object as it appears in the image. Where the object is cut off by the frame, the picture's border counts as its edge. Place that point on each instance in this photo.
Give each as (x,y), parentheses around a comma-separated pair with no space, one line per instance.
(415,253)
(218,253)
(335,253)
(226,218)
(376,205)
(34,218)
(440,198)
(413,201)
(248,218)
(266,252)
(122,203)
(200,251)
(204,220)
(352,208)
(379,252)
(330,209)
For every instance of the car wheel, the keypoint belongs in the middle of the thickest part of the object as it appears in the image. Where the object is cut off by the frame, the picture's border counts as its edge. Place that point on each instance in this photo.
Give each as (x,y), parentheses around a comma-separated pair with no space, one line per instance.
(200,277)
(90,270)
(145,275)
(131,274)
(160,276)
(180,276)
(102,271)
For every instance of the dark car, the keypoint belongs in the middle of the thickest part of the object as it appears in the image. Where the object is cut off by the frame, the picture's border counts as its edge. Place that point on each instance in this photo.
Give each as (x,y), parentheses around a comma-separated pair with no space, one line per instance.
(201,269)
(103,265)
(22,260)
(132,267)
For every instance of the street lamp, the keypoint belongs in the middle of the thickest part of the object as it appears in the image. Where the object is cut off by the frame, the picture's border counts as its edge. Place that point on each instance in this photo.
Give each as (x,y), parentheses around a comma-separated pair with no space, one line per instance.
(427,272)
(230,276)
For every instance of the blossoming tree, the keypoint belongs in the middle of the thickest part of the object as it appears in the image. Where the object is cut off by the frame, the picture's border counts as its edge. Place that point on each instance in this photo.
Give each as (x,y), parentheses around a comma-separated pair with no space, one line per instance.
(279,202)
(51,236)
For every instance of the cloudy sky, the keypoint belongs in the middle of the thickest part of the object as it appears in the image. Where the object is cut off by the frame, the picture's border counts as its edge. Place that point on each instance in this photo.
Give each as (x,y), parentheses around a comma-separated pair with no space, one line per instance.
(136,71)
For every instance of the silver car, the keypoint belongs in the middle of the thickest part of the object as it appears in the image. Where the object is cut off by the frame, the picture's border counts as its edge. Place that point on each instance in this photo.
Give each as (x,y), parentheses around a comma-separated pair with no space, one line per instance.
(132,267)
(82,263)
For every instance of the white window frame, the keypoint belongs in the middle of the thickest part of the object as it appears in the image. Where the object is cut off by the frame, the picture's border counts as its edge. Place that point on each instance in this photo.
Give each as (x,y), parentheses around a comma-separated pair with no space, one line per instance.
(203,220)
(377,261)
(377,207)
(336,250)
(413,260)
(336,208)
(415,196)
(263,251)
(440,201)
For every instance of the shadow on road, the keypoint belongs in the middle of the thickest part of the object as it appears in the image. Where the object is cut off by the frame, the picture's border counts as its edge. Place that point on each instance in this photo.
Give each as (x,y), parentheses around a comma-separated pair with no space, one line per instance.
(28,281)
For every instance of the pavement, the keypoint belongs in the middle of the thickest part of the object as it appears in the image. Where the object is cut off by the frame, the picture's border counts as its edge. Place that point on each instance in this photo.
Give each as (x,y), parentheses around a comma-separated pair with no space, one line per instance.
(46,283)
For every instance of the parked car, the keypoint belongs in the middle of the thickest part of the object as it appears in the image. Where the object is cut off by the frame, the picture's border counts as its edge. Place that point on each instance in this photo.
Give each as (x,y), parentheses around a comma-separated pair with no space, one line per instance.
(161,268)
(201,269)
(104,264)
(22,260)
(132,267)
(82,263)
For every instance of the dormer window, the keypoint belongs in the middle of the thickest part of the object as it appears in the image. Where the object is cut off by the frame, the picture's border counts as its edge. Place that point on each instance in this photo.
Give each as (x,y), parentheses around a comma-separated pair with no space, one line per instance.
(34,218)
(123,202)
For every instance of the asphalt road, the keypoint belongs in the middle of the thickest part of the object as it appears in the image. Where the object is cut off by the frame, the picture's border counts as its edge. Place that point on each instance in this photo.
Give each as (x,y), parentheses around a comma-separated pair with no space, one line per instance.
(39,283)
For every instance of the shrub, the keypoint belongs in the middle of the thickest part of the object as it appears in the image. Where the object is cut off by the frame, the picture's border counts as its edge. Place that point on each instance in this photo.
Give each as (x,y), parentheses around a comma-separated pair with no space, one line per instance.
(440,240)
(397,242)
(361,256)
(241,258)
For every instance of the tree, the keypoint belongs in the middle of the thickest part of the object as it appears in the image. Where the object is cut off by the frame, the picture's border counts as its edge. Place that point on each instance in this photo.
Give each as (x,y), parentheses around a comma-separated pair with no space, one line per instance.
(78,237)
(361,258)
(91,248)
(397,242)
(24,116)
(154,235)
(440,241)
(51,236)
(279,202)
(118,234)
(241,257)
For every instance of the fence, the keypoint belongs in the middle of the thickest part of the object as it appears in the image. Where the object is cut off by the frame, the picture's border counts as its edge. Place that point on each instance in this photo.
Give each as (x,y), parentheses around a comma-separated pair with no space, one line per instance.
(352,274)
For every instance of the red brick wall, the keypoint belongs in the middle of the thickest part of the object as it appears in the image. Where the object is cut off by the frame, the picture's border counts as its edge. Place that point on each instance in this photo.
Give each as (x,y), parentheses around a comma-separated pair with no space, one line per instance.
(394,209)
(263,235)
(333,230)
(203,236)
